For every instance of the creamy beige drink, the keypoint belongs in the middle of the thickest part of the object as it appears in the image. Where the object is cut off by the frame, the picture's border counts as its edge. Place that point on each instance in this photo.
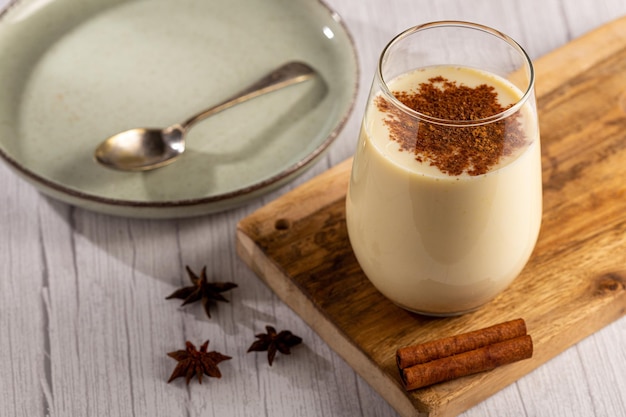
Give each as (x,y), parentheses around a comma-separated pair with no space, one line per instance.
(444,230)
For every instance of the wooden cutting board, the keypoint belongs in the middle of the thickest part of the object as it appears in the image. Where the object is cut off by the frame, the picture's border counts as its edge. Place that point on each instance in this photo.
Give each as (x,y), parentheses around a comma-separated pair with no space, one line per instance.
(574,284)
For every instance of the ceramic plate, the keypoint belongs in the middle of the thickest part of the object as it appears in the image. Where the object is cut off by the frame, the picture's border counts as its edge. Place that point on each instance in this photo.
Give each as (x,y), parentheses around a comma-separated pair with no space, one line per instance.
(74,72)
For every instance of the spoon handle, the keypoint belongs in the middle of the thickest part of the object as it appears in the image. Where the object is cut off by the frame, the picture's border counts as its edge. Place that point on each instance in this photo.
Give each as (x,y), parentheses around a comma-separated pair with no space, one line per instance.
(286,75)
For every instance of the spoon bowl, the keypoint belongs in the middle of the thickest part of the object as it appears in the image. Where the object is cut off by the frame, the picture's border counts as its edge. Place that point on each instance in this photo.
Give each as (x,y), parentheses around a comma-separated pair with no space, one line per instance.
(143,149)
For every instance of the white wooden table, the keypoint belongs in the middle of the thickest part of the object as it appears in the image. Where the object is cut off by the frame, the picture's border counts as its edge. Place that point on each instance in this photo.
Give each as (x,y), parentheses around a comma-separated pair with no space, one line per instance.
(84,327)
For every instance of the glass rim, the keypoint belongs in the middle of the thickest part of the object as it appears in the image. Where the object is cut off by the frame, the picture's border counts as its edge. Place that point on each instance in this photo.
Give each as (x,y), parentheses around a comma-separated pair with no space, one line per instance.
(451,122)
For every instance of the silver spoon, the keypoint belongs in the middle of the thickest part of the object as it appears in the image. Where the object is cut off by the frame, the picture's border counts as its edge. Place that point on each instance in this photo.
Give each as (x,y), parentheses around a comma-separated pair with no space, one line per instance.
(145,149)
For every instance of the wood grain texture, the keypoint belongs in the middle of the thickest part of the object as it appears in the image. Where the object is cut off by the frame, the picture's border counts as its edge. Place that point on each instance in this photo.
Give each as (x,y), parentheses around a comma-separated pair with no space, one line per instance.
(574,284)
(84,326)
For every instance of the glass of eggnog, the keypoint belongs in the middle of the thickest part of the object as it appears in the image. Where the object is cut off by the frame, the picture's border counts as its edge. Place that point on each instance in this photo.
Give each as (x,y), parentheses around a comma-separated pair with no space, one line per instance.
(444,203)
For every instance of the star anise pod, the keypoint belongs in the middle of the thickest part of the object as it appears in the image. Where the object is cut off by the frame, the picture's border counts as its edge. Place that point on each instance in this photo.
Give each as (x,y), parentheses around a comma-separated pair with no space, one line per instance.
(198,362)
(202,290)
(273,342)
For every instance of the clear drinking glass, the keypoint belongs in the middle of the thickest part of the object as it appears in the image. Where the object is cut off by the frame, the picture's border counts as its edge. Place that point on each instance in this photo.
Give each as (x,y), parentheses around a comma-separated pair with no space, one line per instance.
(444,203)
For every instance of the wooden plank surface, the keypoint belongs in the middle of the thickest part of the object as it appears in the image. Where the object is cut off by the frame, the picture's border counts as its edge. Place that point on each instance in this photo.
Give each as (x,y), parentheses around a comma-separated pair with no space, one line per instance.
(574,284)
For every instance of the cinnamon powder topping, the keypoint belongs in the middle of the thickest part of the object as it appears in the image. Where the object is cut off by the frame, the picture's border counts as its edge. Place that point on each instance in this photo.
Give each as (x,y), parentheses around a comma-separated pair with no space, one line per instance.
(453,149)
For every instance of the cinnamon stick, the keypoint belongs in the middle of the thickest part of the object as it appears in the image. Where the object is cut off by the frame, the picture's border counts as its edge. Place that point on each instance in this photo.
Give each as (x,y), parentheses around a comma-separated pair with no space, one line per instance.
(467,363)
(453,345)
